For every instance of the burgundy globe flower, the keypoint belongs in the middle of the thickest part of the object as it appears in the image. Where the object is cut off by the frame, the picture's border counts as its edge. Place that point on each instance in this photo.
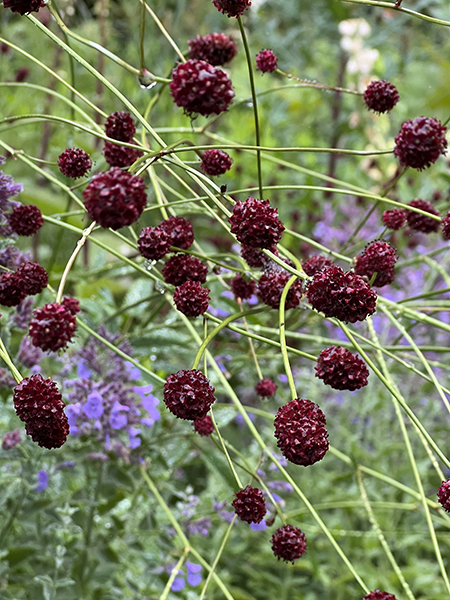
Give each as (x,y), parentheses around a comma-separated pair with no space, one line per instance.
(242,288)
(204,426)
(232,8)
(266,388)
(153,243)
(10,292)
(300,428)
(381,96)
(446,227)
(26,219)
(31,278)
(394,219)
(191,299)
(184,267)
(179,231)
(74,162)
(256,258)
(39,404)
(214,48)
(379,595)
(115,199)
(288,543)
(54,325)
(216,162)
(23,7)
(266,61)
(120,156)
(421,222)
(256,223)
(198,87)
(340,294)
(120,126)
(444,495)
(316,263)
(420,142)
(377,257)
(249,505)
(341,369)
(188,394)
(271,285)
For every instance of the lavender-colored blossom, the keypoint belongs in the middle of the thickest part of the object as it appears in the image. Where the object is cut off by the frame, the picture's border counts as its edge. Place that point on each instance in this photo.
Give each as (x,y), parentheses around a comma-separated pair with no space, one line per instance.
(8,189)
(73,411)
(133,371)
(258,526)
(29,355)
(94,406)
(83,371)
(224,515)
(7,380)
(193,573)
(11,257)
(149,402)
(178,583)
(11,439)
(42,481)
(280,486)
(199,527)
(117,420)
(23,313)
(135,441)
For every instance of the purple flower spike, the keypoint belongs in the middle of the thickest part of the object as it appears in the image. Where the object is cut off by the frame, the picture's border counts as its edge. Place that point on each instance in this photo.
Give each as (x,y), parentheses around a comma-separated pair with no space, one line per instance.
(178,584)
(118,421)
(135,441)
(149,402)
(42,481)
(133,372)
(94,406)
(83,371)
(194,577)
(258,526)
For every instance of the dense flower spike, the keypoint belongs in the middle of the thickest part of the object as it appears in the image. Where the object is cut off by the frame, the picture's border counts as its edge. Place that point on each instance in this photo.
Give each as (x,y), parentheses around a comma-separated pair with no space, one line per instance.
(200,88)
(379,595)
(191,299)
(54,325)
(446,226)
(31,278)
(39,404)
(340,294)
(341,369)
(188,394)
(232,8)
(120,156)
(249,505)
(24,7)
(153,243)
(288,543)
(74,162)
(184,267)
(377,257)
(256,258)
(120,126)
(115,199)
(204,426)
(444,495)
(179,231)
(420,142)
(26,219)
(394,219)
(316,263)
(243,288)
(256,223)
(266,61)
(10,292)
(381,96)
(421,222)
(300,428)
(216,162)
(266,388)
(214,48)
(271,286)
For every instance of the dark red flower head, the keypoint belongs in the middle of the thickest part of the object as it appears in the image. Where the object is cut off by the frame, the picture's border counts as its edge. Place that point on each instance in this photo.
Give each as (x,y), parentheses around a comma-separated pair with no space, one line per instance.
(39,404)
(249,505)
(74,162)
(200,88)
(191,298)
(184,267)
(216,162)
(288,543)
(381,96)
(120,156)
(256,223)
(24,7)
(340,294)
(271,285)
(54,325)
(153,243)
(256,258)
(115,199)
(10,292)
(341,369)
(316,263)
(421,222)
(31,278)
(179,231)
(243,288)
(26,219)
(204,427)
(446,227)
(394,219)
(377,257)
(232,8)
(188,394)
(120,126)
(266,61)
(300,428)
(420,142)
(379,595)
(266,388)
(444,495)
(214,48)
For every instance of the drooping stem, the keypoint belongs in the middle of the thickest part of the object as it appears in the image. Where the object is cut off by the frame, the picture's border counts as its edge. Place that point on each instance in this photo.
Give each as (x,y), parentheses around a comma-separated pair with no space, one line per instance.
(282,313)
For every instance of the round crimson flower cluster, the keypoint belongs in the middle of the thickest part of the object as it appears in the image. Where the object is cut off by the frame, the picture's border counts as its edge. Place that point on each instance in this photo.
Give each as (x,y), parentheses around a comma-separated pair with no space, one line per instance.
(381,96)
(340,294)
(288,543)
(316,263)
(54,325)
(300,428)
(184,267)
(232,8)
(10,292)
(256,223)
(214,48)
(191,298)
(179,232)
(26,219)
(31,278)
(379,595)
(23,7)
(216,162)
(188,394)
(394,219)
(255,258)
(39,405)
(377,257)
(242,288)
(444,495)
(74,162)
(249,505)
(266,61)
(446,226)
(200,88)
(115,199)
(341,369)
(266,388)
(120,156)
(153,243)
(204,426)
(271,285)
(422,222)
(120,126)
(420,142)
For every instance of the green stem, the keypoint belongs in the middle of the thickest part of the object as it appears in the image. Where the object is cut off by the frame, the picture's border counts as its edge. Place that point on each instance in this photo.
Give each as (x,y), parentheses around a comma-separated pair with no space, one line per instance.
(5,356)
(407,11)
(174,573)
(218,555)
(282,319)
